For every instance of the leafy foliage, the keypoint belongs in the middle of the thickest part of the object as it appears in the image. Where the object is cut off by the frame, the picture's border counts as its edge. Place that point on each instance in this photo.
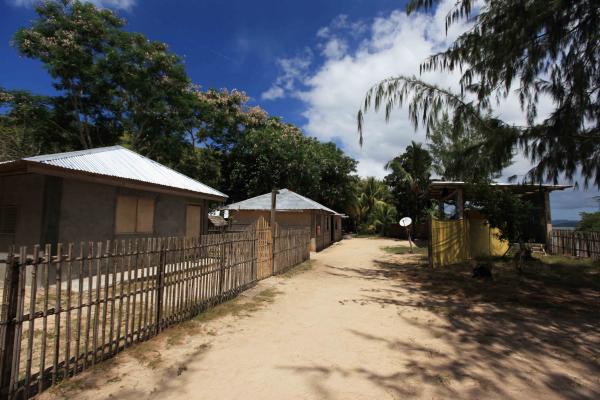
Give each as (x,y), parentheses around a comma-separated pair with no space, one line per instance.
(463,156)
(590,222)
(371,209)
(409,179)
(544,49)
(504,210)
(383,216)
(117,87)
(23,125)
(278,155)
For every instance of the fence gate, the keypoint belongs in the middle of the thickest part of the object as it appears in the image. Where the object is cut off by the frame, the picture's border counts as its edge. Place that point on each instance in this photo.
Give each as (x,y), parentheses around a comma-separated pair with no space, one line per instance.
(264,248)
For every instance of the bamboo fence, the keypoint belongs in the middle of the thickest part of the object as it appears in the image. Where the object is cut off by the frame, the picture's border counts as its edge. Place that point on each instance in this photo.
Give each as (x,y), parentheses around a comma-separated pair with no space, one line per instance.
(66,308)
(577,244)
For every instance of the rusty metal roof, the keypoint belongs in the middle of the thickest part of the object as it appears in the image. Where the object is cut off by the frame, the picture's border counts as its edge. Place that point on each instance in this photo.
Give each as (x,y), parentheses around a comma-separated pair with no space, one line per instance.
(119,162)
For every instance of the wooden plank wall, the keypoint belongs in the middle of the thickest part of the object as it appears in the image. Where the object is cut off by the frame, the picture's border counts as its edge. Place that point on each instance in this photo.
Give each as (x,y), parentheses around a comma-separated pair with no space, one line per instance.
(66,308)
(577,244)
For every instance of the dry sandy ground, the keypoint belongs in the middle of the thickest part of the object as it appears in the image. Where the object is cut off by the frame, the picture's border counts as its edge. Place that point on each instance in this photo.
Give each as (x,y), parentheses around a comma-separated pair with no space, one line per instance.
(349,329)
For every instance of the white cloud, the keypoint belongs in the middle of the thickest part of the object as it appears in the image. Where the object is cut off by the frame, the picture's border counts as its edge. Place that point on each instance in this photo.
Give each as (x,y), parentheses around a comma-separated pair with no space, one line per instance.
(388,46)
(116,4)
(273,93)
(394,45)
(335,49)
(293,71)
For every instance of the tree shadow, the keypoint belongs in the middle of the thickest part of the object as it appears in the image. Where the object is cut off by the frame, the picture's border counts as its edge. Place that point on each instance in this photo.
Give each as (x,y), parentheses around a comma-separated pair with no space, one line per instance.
(521,334)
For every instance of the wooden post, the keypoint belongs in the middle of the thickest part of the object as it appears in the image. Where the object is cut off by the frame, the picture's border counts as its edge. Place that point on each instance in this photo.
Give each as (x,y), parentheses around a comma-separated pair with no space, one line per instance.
(547,220)
(274,194)
(160,276)
(429,242)
(222,266)
(441,208)
(9,313)
(460,204)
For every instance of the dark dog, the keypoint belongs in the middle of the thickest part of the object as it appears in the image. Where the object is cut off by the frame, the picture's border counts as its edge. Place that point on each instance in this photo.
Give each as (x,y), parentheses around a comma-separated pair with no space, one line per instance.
(483,271)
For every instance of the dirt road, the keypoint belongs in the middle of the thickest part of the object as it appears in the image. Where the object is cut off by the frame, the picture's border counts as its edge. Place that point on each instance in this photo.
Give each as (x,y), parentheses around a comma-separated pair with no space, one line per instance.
(349,328)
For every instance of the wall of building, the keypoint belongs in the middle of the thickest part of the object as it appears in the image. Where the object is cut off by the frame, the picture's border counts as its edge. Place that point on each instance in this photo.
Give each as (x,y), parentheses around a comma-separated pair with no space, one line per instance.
(284,219)
(83,202)
(322,224)
(26,192)
(337,228)
(51,210)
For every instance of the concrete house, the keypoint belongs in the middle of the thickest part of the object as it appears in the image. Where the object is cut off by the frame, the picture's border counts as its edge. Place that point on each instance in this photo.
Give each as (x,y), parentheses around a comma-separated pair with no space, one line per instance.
(293,211)
(96,195)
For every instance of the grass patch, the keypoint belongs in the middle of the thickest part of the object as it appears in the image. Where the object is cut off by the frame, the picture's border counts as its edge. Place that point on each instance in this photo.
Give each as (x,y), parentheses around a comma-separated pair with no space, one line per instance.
(239,307)
(297,270)
(177,333)
(405,250)
(146,354)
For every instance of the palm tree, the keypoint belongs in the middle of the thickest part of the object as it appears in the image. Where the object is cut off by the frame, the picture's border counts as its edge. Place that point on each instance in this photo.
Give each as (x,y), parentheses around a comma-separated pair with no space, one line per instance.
(384,215)
(374,192)
(409,179)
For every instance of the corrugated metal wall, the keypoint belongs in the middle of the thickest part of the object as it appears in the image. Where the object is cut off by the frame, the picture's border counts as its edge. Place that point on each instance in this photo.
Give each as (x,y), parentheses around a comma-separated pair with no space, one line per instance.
(455,241)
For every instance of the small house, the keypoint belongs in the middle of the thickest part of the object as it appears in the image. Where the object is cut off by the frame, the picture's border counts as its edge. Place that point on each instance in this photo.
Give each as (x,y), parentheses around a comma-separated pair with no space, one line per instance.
(97,195)
(458,233)
(292,211)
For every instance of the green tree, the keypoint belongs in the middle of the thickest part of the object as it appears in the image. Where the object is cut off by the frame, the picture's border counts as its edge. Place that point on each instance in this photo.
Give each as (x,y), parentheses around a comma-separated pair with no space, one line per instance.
(279,155)
(590,222)
(370,208)
(109,81)
(460,156)
(504,210)
(382,217)
(543,49)
(409,179)
(24,125)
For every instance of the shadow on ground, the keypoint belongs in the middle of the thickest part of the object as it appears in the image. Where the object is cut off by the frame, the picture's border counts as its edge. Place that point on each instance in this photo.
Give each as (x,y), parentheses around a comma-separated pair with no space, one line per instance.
(536,333)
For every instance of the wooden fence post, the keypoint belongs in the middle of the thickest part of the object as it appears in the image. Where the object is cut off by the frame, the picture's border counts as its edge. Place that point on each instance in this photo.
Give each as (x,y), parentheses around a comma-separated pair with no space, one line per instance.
(160,276)
(9,313)
(430,241)
(222,266)
(254,254)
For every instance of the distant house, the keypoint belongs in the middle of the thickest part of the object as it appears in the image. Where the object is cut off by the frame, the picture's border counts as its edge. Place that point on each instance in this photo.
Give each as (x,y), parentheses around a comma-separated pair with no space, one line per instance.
(457,234)
(293,210)
(98,194)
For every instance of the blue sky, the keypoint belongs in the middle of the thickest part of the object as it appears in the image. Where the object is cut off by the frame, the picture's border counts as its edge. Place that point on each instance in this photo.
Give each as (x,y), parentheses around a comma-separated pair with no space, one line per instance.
(308,61)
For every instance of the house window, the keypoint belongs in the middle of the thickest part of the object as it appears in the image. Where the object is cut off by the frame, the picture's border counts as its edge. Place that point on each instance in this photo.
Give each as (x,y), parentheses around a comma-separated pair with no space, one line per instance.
(8,220)
(134,215)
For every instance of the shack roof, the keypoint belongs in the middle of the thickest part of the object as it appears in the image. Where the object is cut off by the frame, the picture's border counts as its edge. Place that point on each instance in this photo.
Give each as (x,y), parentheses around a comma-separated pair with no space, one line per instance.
(436,188)
(115,163)
(217,220)
(286,201)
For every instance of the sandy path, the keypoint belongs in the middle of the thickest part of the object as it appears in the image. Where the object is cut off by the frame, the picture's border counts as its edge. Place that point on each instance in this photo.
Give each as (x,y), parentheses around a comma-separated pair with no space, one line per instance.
(343,330)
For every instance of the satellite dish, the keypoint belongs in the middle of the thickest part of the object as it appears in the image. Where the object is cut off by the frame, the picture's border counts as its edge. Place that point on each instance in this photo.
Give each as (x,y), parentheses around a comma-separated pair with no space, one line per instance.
(406,221)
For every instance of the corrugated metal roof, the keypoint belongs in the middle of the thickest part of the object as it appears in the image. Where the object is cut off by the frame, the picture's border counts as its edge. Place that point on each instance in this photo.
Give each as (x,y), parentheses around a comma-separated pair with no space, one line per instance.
(117,161)
(286,201)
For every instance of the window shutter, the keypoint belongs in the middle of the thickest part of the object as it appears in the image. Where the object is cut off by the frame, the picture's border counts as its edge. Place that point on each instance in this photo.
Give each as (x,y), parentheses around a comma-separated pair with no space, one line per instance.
(126,214)
(145,215)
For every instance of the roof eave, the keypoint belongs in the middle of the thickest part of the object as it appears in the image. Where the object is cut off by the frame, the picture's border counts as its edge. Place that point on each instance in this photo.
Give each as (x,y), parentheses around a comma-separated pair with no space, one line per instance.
(52,170)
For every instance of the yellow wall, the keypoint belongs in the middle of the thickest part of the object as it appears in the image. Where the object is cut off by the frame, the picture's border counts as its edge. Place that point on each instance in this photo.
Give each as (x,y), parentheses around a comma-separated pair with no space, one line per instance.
(454,241)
